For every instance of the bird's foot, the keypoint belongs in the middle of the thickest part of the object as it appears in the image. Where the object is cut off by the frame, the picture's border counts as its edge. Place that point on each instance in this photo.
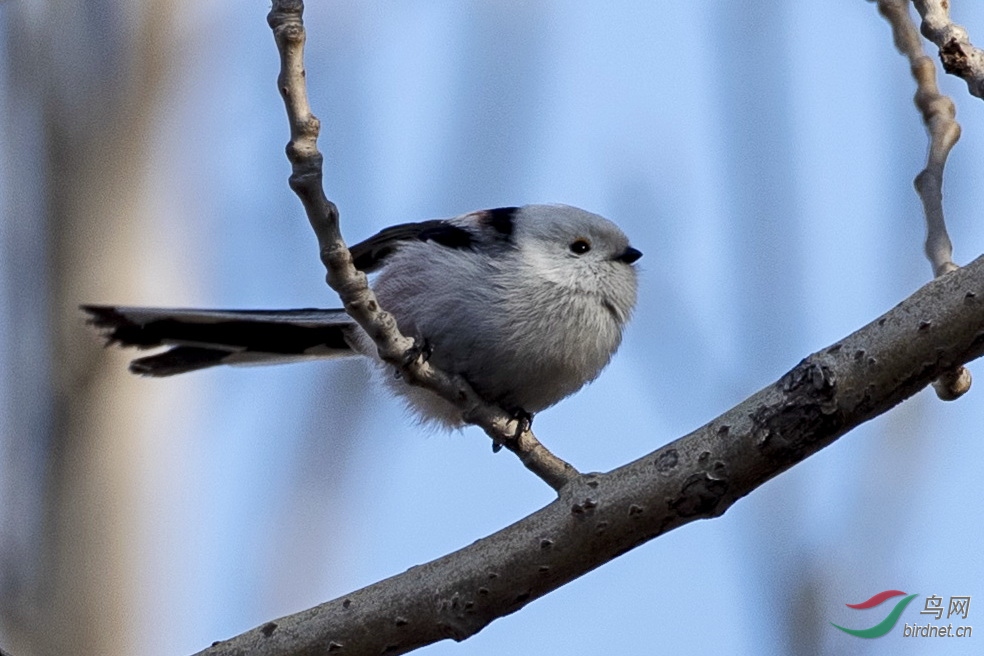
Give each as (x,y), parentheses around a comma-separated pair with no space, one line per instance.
(524,422)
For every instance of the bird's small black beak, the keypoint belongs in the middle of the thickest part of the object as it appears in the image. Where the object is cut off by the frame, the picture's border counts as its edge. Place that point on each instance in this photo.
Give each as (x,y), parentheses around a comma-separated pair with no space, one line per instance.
(629,255)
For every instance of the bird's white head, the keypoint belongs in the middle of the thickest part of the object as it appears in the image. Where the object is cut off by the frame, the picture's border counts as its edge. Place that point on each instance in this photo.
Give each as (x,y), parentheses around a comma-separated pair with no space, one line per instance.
(579,252)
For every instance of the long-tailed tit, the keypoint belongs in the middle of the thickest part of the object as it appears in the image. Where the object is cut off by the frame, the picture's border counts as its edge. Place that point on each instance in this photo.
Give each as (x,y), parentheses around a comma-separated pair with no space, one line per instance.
(526,303)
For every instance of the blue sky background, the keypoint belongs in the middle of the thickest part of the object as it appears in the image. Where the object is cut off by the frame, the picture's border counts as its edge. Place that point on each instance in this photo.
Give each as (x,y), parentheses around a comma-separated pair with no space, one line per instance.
(761,155)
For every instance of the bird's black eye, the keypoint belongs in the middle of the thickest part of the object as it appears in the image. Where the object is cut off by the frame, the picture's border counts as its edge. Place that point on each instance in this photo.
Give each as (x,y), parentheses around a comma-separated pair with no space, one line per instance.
(580,246)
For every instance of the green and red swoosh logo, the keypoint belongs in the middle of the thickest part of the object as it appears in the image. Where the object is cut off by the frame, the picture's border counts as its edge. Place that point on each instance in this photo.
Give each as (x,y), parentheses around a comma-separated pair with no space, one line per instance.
(886,624)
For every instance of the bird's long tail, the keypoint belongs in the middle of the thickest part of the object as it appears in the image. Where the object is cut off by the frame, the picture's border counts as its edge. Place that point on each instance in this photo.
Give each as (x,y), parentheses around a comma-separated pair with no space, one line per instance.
(205,338)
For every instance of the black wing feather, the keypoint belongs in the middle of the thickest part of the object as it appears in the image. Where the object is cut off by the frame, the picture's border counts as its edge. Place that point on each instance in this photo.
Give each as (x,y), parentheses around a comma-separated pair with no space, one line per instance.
(370,254)
(278,331)
(178,360)
(204,338)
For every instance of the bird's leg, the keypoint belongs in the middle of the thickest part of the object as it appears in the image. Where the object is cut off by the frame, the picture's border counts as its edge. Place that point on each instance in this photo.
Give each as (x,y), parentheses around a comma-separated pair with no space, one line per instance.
(524,422)
(421,350)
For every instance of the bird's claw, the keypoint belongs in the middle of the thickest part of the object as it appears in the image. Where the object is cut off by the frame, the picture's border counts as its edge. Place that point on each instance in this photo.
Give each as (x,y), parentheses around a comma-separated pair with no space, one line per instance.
(421,350)
(524,422)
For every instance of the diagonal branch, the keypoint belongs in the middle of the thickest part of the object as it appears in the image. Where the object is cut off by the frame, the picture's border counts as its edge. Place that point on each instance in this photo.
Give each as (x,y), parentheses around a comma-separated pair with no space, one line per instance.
(958,54)
(601,516)
(938,114)
(285,20)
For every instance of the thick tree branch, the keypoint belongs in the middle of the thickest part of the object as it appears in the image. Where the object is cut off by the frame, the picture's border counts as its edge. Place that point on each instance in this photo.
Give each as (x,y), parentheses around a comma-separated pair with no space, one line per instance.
(600,516)
(958,54)
(285,19)
(938,114)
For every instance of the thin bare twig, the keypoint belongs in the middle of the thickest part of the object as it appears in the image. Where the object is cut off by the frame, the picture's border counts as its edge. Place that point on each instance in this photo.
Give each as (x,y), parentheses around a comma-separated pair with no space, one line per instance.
(938,114)
(360,302)
(958,54)
(599,517)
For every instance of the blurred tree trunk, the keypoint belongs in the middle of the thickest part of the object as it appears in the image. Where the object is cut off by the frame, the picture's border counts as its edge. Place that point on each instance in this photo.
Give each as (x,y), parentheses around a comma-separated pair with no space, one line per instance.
(81,80)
